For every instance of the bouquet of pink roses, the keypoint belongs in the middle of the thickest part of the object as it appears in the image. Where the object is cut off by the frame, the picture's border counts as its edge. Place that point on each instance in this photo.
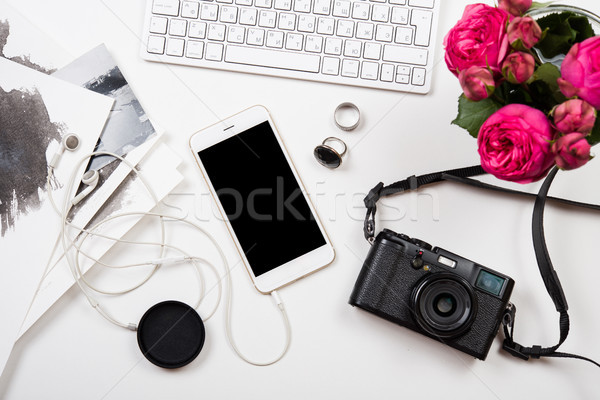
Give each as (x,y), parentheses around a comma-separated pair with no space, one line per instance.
(527,115)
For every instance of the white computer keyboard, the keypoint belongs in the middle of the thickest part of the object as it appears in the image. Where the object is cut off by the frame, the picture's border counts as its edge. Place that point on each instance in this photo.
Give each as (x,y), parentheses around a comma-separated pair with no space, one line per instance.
(385,44)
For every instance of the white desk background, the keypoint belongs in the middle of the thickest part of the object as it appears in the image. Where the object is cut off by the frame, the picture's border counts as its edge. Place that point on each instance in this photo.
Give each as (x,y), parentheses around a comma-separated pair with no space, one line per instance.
(337,351)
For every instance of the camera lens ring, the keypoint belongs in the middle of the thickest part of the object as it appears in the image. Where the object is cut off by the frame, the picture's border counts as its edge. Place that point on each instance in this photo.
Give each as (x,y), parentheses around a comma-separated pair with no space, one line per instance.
(444,305)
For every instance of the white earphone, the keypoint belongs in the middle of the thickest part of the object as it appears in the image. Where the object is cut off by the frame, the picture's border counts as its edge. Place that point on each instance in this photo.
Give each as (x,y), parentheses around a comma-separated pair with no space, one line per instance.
(72,248)
(90,178)
(70,143)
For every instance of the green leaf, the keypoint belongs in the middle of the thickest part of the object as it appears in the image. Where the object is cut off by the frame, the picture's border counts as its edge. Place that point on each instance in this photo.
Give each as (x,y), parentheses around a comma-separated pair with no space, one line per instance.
(595,135)
(563,30)
(472,114)
(548,74)
(536,4)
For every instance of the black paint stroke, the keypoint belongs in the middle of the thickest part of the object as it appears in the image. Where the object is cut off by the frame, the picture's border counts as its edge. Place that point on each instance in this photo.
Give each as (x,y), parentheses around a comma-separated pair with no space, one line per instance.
(25,133)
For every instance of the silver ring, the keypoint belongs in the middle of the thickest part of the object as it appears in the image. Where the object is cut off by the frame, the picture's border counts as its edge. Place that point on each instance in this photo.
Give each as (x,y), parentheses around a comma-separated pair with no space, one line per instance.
(352,124)
(327,155)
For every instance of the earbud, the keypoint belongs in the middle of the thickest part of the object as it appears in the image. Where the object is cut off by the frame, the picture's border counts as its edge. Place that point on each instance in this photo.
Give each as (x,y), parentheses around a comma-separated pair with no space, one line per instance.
(90,178)
(70,142)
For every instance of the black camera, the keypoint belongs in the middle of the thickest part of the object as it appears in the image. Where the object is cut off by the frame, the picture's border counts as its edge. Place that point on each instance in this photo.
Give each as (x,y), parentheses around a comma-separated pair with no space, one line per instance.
(433,291)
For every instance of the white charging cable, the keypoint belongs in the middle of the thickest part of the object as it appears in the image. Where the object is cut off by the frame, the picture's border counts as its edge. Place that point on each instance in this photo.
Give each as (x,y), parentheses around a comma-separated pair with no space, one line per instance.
(73,249)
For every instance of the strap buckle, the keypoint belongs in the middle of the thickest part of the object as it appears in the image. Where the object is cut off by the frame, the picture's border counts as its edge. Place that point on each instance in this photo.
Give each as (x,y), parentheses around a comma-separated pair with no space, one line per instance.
(373,196)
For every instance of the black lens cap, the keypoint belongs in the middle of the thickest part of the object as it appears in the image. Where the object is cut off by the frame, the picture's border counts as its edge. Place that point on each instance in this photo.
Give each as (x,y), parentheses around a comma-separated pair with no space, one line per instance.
(171,334)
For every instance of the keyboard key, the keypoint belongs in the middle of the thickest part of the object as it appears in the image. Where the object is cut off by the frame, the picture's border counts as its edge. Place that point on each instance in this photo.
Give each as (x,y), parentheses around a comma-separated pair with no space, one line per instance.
(158,25)
(352,48)
(314,44)
(370,70)
(418,78)
(387,73)
(333,46)
(403,70)
(381,13)
(273,58)
(402,79)
(243,2)
(189,9)
(302,6)
(399,15)
(285,5)
(236,34)
(403,35)
(350,68)
(364,30)
(166,7)
(216,32)
(263,3)
(248,16)
(293,41)
(322,7)
(372,51)
(421,3)
(175,47)
(229,14)
(399,2)
(275,39)
(306,23)
(178,27)
(331,66)
(214,51)
(197,30)
(287,21)
(195,49)
(209,11)
(341,8)
(421,19)
(345,28)
(256,36)
(384,33)
(156,45)
(361,10)
(405,55)
(325,26)
(267,18)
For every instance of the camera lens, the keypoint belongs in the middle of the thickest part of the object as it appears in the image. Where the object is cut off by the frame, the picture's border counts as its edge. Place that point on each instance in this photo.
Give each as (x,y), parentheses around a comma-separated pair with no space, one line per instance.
(444,305)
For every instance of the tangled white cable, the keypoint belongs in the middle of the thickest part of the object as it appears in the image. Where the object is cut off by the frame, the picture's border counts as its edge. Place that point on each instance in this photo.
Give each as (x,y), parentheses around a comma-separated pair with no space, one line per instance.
(72,246)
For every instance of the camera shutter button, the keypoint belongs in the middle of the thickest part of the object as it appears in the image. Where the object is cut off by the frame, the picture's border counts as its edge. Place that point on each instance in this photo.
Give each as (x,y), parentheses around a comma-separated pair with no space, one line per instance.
(417,262)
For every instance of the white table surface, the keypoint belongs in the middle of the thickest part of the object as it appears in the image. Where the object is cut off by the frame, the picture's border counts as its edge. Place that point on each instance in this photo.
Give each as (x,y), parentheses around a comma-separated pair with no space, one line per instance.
(337,351)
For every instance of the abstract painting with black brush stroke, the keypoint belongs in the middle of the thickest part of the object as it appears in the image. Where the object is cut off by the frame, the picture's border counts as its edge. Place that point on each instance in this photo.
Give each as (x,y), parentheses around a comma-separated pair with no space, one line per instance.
(25,133)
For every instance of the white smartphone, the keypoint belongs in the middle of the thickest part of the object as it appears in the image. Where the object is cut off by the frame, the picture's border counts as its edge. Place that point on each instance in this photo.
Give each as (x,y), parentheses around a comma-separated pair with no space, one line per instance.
(261,198)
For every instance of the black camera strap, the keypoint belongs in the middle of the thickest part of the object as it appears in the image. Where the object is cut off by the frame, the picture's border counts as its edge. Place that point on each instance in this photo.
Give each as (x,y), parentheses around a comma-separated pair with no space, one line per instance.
(549,276)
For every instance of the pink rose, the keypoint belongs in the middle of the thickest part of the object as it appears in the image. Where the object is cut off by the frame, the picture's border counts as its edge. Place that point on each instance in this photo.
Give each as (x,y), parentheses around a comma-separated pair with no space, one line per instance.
(572,151)
(574,116)
(518,67)
(515,7)
(478,39)
(477,83)
(580,71)
(523,33)
(515,144)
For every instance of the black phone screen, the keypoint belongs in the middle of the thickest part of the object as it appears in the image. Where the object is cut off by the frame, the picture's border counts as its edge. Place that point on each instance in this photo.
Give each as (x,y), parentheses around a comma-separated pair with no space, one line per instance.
(262,198)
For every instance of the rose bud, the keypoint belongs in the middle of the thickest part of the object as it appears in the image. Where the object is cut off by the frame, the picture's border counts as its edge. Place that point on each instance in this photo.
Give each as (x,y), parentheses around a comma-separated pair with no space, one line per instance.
(572,151)
(574,116)
(518,67)
(477,83)
(523,33)
(515,7)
